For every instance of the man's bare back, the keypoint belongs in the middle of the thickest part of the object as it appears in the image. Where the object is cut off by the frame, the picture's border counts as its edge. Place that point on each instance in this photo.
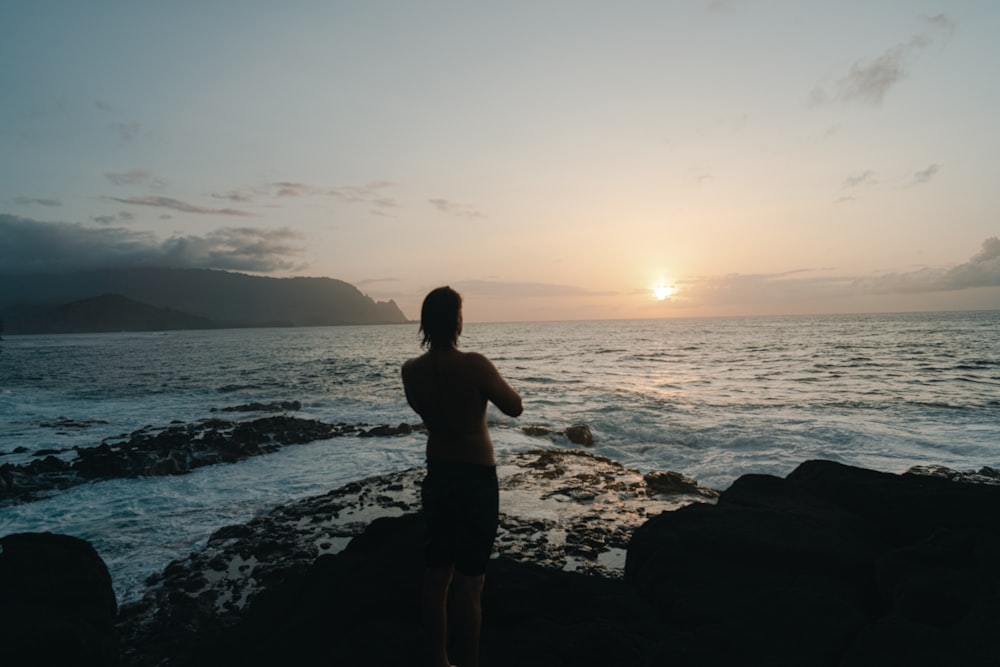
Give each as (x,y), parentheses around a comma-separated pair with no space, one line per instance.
(449,389)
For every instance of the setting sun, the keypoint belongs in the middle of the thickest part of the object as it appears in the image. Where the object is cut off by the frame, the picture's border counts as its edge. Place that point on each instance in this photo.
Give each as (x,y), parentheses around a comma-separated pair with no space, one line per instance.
(662,291)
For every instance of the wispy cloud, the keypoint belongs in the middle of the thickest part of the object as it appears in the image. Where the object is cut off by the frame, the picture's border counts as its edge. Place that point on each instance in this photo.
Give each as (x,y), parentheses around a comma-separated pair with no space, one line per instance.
(869,81)
(121,216)
(126,132)
(521,290)
(455,208)
(372,194)
(31,246)
(286,189)
(375,281)
(41,201)
(178,205)
(925,175)
(133,177)
(866,177)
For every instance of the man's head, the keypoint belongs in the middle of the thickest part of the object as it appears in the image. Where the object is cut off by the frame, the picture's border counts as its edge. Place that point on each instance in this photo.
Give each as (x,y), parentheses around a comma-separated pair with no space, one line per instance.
(441,318)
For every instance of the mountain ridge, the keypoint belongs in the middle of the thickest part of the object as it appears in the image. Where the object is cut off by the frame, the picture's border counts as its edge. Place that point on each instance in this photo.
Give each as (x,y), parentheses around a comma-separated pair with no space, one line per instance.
(214,299)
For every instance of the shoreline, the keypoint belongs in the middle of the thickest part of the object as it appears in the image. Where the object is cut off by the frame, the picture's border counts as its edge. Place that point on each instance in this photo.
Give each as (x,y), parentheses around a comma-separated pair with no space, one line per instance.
(595,564)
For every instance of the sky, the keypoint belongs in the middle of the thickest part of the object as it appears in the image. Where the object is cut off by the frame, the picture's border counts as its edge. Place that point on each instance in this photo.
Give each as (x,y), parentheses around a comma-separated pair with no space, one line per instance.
(551,160)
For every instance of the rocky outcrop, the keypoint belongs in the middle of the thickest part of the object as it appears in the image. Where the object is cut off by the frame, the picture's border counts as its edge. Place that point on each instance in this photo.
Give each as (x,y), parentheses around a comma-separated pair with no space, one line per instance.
(57,606)
(566,519)
(595,565)
(832,565)
(173,450)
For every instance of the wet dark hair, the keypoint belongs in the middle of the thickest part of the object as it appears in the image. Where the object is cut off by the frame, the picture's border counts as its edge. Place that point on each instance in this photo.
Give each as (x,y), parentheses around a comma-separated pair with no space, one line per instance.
(440,318)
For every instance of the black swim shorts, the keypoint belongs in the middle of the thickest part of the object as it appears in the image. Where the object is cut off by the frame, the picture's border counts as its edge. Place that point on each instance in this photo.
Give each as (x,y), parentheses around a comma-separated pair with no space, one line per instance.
(461,503)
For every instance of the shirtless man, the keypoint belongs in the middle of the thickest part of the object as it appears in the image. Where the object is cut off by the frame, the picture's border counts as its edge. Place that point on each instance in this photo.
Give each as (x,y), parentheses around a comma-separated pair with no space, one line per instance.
(449,389)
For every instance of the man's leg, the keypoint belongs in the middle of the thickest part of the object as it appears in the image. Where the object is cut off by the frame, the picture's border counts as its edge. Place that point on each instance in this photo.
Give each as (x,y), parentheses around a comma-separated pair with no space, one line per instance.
(468,616)
(435,614)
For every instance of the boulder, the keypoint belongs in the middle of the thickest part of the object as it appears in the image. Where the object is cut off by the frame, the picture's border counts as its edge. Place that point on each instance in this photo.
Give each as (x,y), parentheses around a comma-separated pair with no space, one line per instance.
(580,434)
(832,565)
(57,606)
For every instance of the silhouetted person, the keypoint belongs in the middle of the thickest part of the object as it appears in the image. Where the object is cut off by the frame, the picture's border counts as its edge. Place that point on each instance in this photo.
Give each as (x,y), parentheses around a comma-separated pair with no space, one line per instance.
(449,389)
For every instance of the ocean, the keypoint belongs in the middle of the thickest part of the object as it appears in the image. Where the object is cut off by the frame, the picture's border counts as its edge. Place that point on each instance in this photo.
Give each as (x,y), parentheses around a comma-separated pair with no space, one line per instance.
(710,398)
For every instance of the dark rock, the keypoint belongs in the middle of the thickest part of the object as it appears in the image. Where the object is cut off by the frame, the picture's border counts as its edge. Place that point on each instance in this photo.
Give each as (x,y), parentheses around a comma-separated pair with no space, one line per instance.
(831,566)
(174,450)
(580,434)
(57,606)
(384,430)
(277,406)
(674,482)
(362,606)
(537,431)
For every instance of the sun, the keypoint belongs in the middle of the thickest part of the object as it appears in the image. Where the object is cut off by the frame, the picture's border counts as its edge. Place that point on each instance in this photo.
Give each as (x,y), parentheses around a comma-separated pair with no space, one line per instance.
(662,291)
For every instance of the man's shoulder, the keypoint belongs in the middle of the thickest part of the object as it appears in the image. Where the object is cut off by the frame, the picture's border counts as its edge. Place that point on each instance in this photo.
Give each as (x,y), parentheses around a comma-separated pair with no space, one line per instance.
(476,361)
(413,363)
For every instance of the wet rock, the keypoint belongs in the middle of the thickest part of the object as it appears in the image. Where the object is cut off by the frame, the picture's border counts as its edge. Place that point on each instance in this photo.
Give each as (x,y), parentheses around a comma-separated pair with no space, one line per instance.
(276,406)
(580,434)
(384,430)
(671,482)
(174,450)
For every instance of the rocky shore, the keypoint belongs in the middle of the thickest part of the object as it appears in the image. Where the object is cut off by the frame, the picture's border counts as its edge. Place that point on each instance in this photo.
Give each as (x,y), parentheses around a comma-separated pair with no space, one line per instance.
(595,565)
(179,448)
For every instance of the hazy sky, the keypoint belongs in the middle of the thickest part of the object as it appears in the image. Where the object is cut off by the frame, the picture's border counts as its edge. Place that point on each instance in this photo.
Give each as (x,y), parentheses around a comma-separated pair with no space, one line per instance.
(551,160)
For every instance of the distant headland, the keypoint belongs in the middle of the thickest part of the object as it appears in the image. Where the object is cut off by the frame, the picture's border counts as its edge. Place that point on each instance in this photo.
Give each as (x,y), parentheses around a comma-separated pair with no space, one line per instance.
(159,299)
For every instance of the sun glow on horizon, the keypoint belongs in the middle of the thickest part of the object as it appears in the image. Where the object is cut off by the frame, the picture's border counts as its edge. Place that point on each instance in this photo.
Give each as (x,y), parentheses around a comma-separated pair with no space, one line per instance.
(662,291)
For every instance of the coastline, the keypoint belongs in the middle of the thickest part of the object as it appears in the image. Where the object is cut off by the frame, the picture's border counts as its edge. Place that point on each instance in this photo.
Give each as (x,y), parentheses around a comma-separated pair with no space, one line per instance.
(595,565)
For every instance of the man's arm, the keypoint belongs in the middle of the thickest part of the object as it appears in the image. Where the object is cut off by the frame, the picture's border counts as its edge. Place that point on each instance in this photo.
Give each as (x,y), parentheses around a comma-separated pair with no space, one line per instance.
(495,388)
(406,371)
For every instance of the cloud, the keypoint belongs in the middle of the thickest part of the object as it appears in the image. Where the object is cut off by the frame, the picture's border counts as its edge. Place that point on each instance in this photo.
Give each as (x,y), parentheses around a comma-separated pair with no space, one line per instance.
(234,248)
(352,194)
(286,189)
(375,281)
(520,290)
(364,194)
(868,82)
(925,175)
(866,177)
(122,216)
(453,208)
(178,205)
(42,201)
(126,132)
(982,270)
(132,177)
(31,246)
(813,287)
(940,22)
(235,195)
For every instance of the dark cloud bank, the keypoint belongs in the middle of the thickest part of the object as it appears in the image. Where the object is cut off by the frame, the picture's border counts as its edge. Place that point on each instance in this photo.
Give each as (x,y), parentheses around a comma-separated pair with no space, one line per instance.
(30,246)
